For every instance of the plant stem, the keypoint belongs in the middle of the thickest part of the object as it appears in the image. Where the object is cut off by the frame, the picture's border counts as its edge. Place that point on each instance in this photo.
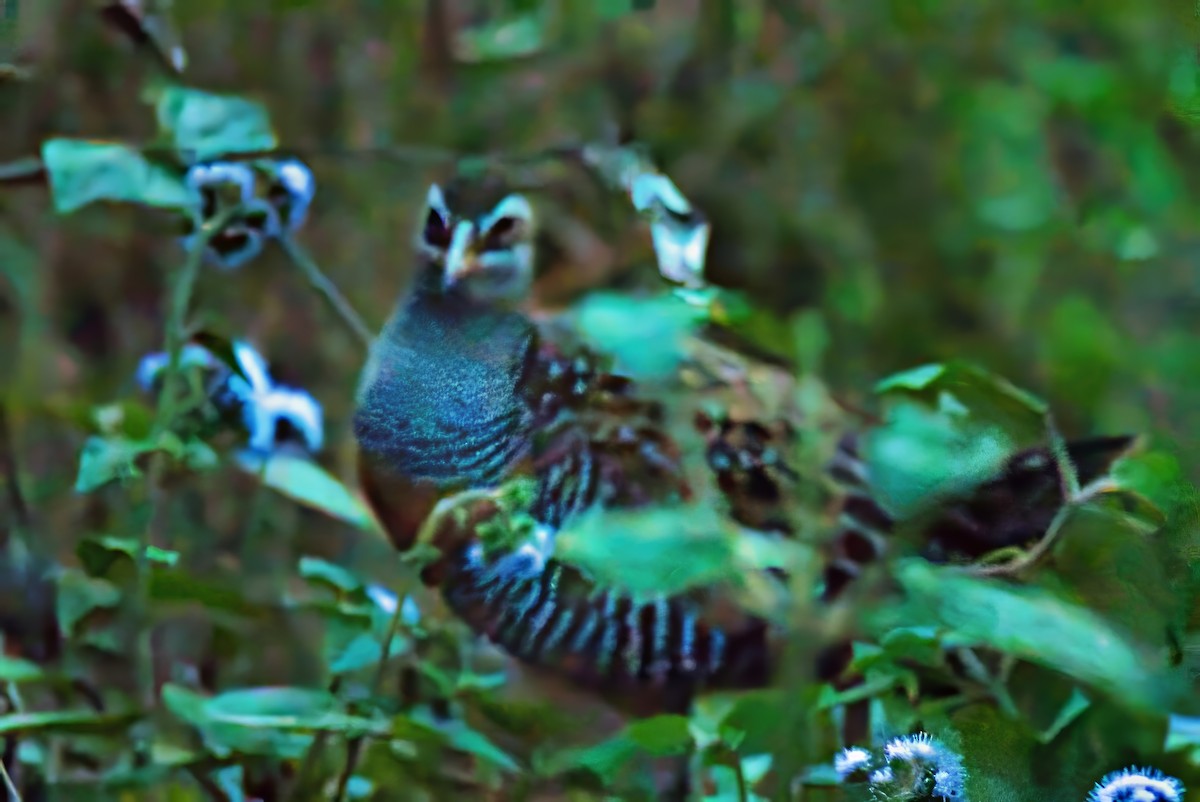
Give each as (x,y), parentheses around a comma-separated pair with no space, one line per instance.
(327,289)
(1043,546)
(164,418)
(13,794)
(354,747)
(300,783)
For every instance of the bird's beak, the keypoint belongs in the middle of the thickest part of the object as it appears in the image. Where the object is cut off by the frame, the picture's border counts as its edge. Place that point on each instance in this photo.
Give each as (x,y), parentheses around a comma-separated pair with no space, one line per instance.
(462,258)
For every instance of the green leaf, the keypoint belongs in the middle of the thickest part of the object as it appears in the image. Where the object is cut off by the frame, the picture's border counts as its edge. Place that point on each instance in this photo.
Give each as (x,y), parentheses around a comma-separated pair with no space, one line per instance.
(976,388)
(639,551)
(19,671)
(66,722)
(352,645)
(79,595)
(113,458)
(644,335)
(661,735)
(204,126)
(97,554)
(1155,476)
(918,378)
(83,172)
(1038,626)
(920,456)
(303,481)
(109,459)
(337,577)
(275,722)
(653,737)
(502,40)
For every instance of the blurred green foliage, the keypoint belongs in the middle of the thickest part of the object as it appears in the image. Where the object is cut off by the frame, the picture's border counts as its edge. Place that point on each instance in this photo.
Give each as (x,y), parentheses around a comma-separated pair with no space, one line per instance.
(891,184)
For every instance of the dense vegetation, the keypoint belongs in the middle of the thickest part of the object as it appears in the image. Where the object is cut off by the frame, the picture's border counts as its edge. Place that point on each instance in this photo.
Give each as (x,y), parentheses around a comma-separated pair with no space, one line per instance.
(908,201)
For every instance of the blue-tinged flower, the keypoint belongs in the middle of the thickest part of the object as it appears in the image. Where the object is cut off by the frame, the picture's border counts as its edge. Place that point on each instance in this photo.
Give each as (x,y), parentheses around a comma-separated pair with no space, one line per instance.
(250,395)
(911,767)
(385,600)
(151,366)
(850,760)
(265,405)
(232,182)
(293,191)
(1135,784)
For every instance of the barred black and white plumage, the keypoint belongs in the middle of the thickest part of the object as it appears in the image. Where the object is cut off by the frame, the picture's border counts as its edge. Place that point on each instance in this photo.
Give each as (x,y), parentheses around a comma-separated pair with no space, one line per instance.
(546,614)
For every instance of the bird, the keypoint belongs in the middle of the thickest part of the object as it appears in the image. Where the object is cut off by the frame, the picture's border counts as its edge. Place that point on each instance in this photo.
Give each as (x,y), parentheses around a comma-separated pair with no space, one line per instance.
(465,391)
(462,391)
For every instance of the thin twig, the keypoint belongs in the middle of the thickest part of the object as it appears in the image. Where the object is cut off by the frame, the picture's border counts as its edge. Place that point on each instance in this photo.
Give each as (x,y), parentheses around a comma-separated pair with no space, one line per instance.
(164,418)
(13,794)
(354,747)
(300,784)
(1042,547)
(322,284)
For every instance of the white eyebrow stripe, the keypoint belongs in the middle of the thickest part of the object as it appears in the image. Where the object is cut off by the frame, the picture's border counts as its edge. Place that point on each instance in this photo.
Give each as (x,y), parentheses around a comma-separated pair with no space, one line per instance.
(516,206)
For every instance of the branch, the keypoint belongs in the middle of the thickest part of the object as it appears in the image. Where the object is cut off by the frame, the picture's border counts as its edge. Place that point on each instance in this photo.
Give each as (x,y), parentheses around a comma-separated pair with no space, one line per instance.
(327,289)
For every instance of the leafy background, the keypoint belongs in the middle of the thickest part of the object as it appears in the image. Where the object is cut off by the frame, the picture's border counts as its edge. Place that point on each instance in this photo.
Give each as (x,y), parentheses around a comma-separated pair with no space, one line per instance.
(890,184)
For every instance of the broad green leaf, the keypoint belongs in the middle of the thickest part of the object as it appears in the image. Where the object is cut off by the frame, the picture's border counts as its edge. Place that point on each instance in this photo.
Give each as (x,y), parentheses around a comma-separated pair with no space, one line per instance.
(19,671)
(113,458)
(421,726)
(97,554)
(653,737)
(1006,763)
(974,387)
(204,126)
(305,482)
(275,721)
(83,172)
(639,551)
(79,595)
(1155,476)
(919,456)
(352,645)
(1038,626)
(66,722)
(644,335)
(661,735)
(314,568)
(109,459)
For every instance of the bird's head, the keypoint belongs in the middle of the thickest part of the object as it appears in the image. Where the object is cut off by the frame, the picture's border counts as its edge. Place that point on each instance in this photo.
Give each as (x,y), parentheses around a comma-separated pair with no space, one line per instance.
(478,240)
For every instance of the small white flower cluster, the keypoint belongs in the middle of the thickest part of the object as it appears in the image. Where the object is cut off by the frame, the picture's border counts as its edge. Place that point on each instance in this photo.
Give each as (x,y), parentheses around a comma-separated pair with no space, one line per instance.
(910,768)
(261,404)
(1137,785)
(273,197)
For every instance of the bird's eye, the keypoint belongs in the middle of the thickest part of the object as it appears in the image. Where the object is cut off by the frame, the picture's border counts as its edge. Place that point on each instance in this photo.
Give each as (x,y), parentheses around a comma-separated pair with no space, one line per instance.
(437,231)
(500,234)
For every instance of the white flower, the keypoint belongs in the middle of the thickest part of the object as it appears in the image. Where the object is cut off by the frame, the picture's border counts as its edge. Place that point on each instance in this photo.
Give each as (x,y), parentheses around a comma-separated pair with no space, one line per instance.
(215,174)
(1137,785)
(265,405)
(296,179)
(852,759)
(911,747)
